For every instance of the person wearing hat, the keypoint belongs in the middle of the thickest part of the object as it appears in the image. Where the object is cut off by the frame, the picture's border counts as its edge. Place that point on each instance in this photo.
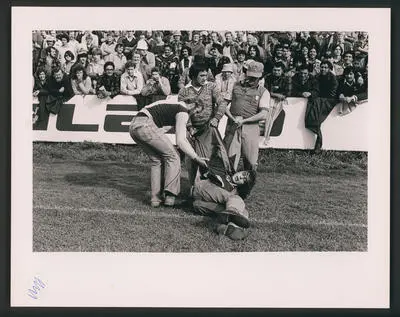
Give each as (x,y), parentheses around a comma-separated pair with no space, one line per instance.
(249,106)
(147,57)
(176,43)
(225,81)
(196,46)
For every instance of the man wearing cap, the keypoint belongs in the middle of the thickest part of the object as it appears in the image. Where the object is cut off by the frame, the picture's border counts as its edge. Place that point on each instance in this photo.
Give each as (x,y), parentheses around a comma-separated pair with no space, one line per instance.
(225,82)
(176,43)
(250,103)
(147,57)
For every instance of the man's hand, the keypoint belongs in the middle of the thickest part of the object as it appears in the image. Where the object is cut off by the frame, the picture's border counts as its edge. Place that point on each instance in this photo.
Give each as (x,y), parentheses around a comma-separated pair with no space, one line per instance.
(36,93)
(306,94)
(202,161)
(342,98)
(61,89)
(214,122)
(238,122)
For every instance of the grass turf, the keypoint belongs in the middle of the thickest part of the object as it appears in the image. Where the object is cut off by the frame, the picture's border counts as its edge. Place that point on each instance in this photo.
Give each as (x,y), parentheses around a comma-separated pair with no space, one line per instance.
(94,197)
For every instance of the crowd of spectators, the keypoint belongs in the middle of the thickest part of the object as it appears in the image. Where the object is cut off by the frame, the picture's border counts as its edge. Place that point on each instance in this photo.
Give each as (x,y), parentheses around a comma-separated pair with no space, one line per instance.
(150,65)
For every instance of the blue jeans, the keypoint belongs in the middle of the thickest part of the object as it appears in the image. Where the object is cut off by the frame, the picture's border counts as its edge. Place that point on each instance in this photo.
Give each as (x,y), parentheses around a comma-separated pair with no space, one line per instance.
(165,161)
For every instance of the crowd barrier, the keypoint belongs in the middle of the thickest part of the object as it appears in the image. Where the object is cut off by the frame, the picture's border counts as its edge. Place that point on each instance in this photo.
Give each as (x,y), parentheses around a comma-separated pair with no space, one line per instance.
(107,121)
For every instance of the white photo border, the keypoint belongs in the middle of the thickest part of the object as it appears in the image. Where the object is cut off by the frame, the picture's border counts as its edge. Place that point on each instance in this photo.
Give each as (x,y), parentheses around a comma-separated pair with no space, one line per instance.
(274,279)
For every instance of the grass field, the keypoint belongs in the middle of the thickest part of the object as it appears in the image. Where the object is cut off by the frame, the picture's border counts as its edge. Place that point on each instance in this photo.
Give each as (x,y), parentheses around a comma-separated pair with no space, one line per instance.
(94,197)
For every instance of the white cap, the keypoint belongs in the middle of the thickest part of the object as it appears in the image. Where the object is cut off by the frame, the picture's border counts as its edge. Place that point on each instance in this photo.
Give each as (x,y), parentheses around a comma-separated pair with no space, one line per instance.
(142,45)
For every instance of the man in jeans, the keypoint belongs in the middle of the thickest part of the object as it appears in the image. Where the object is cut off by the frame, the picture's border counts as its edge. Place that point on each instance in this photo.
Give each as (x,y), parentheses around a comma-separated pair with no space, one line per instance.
(220,192)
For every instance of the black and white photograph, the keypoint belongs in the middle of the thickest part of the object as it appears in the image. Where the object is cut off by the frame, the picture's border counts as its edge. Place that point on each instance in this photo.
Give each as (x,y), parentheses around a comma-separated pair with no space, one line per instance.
(209,143)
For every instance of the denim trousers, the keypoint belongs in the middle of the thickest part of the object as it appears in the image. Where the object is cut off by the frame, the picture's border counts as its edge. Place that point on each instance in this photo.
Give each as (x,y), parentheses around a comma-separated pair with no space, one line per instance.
(164,159)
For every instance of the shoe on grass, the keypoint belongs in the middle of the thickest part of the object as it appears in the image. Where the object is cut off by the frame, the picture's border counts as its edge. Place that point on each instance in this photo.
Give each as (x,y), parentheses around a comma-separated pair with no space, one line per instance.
(169,201)
(155,203)
(232,231)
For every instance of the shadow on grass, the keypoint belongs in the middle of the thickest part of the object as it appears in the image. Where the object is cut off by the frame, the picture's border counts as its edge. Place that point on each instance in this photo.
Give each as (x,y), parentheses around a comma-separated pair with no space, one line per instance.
(133,180)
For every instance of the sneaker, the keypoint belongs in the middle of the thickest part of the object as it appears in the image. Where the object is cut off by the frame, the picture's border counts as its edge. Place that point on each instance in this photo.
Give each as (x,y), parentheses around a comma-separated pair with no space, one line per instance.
(232,231)
(237,218)
(169,201)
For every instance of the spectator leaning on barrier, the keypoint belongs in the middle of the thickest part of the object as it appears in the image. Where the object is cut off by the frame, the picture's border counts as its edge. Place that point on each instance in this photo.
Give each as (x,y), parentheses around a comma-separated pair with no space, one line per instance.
(351,91)
(156,88)
(210,107)
(109,83)
(303,84)
(118,59)
(131,81)
(278,86)
(249,105)
(318,108)
(81,82)
(225,82)
(60,91)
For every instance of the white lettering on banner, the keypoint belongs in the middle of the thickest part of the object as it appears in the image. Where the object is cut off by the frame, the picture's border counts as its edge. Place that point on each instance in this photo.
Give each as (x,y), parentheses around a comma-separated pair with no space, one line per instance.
(107,121)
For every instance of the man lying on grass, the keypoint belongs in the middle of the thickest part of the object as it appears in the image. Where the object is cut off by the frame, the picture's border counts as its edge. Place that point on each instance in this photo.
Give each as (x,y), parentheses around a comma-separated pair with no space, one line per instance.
(220,192)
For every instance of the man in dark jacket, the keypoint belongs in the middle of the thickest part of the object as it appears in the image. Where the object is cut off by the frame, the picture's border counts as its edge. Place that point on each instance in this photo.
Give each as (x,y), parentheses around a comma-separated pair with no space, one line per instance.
(60,91)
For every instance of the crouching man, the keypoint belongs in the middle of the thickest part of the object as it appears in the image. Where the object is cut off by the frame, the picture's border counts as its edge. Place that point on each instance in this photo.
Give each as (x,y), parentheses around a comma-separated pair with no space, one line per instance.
(220,192)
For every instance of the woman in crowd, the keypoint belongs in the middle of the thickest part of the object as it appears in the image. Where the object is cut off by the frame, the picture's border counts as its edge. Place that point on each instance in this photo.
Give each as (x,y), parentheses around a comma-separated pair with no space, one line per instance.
(158,45)
(337,61)
(81,82)
(254,53)
(146,130)
(69,62)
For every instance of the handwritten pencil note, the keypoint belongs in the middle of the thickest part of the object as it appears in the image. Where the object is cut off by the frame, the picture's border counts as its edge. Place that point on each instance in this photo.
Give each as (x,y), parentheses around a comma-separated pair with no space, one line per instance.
(37,286)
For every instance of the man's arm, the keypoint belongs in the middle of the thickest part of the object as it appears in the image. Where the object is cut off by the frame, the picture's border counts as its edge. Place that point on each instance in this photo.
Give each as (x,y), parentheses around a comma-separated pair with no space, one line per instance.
(220,102)
(263,109)
(165,86)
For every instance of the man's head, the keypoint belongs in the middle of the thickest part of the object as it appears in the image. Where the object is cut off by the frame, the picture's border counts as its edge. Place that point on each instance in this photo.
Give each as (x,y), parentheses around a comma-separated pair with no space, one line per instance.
(177,35)
(216,50)
(304,73)
(167,50)
(96,53)
(131,33)
(240,35)
(135,58)
(110,37)
(142,47)
(348,58)
(196,37)
(130,68)
(278,51)
(119,48)
(64,39)
(227,71)
(277,70)
(109,68)
(52,52)
(69,56)
(253,73)
(357,64)
(313,53)
(229,37)
(245,181)
(326,66)
(198,74)
(186,51)
(58,74)
(349,74)
(214,37)
(155,73)
(241,56)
